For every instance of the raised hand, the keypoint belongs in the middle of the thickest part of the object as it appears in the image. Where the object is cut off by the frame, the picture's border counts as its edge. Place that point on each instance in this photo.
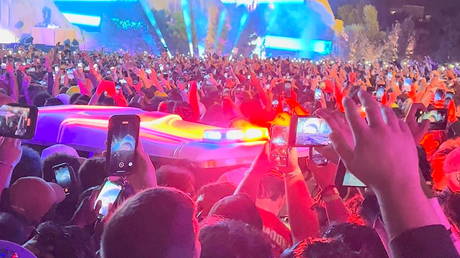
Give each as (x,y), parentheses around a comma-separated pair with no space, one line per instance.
(383,153)
(418,129)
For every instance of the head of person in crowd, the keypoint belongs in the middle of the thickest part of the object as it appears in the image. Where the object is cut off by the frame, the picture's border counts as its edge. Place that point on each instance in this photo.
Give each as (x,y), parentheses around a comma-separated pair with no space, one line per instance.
(451,207)
(452,170)
(53,240)
(271,193)
(233,239)
(40,99)
(237,207)
(360,239)
(63,155)
(30,164)
(53,102)
(438,164)
(32,198)
(209,194)
(177,177)
(92,172)
(321,248)
(12,228)
(171,231)
(58,154)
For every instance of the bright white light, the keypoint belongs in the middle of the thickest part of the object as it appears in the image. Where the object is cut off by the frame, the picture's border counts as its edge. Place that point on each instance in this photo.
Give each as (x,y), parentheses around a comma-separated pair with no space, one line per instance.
(212,135)
(254,134)
(81,19)
(7,37)
(234,135)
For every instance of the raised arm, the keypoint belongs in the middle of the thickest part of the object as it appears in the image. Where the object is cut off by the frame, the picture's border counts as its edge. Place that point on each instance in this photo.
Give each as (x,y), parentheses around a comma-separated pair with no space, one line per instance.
(302,219)
(374,155)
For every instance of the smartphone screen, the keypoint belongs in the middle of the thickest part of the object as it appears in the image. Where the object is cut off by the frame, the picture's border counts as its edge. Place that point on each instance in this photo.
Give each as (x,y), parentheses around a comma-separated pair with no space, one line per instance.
(287,90)
(346,178)
(309,131)
(379,93)
(317,158)
(437,118)
(18,121)
(108,195)
(279,145)
(439,95)
(318,94)
(122,139)
(62,174)
(407,84)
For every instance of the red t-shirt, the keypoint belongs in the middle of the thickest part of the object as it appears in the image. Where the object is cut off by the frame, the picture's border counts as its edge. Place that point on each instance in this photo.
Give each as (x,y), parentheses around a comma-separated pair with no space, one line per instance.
(278,233)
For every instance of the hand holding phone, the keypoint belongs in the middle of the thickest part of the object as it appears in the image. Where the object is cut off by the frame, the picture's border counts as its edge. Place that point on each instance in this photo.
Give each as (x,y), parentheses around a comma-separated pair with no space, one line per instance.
(122,141)
(346,178)
(279,145)
(309,131)
(437,118)
(17,121)
(64,176)
(108,195)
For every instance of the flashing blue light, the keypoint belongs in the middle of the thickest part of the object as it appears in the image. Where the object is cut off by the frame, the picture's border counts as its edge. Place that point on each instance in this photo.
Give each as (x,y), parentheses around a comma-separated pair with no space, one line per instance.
(322,47)
(220,27)
(243,21)
(188,24)
(81,19)
(248,2)
(153,22)
(283,43)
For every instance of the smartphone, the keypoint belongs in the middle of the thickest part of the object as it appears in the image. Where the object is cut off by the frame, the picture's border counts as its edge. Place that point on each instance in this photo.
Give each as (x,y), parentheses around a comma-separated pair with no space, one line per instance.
(279,145)
(439,95)
(63,174)
(318,94)
(317,158)
(17,121)
(437,118)
(309,131)
(108,195)
(346,178)
(379,93)
(287,89)
(122,140)
(390,76)
(407,84)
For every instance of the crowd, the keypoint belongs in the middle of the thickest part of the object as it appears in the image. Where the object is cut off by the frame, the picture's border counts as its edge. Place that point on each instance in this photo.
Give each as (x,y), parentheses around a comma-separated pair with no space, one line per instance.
(410,207)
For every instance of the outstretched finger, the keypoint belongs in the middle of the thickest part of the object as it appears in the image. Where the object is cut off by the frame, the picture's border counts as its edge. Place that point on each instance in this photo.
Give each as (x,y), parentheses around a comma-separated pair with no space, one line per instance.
(372,109)
(414,108)
(390,118)
(355,121)
(342,146)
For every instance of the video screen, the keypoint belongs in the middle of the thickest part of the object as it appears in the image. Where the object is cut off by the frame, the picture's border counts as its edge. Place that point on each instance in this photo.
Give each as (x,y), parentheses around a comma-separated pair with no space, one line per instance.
(123,147)
(312,131)
(350,180)
(437,118)
(63,177)
(279,144)
(14,121)
(379,93)
(108,195)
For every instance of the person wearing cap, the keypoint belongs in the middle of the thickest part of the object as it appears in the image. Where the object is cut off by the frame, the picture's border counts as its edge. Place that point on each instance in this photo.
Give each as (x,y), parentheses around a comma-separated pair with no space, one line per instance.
(32,198)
